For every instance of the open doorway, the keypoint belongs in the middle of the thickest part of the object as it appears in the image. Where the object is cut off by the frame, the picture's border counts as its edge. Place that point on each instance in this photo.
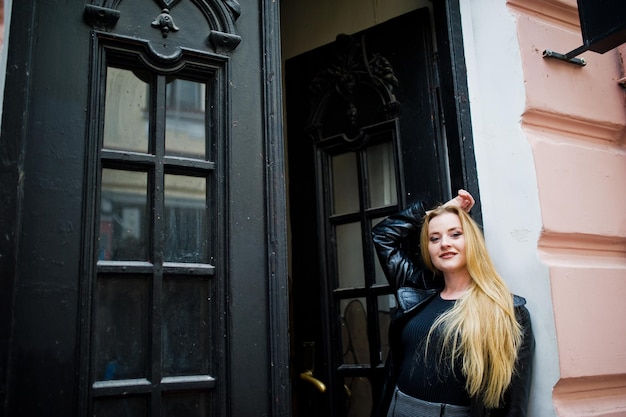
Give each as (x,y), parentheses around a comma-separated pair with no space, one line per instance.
(366,136)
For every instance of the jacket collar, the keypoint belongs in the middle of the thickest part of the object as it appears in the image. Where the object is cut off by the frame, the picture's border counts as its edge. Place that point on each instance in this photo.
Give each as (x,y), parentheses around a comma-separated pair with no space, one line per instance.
(410,297)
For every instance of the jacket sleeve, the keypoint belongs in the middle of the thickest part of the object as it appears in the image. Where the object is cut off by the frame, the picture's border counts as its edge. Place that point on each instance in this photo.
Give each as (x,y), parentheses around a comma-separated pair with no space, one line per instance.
(516,398)
(390,239)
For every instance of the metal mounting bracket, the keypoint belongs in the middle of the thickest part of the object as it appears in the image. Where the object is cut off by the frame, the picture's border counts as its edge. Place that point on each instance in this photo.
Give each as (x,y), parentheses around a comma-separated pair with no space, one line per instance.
(568,57)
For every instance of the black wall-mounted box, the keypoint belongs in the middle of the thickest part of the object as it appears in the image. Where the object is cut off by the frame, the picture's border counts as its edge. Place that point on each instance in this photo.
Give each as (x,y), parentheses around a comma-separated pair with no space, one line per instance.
(603,23)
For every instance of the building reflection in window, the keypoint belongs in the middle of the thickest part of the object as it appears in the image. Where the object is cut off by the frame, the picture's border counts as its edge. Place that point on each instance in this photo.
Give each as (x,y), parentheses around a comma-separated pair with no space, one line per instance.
(125,114)
(123,218)
(185,219)
(124,214)
(185,128)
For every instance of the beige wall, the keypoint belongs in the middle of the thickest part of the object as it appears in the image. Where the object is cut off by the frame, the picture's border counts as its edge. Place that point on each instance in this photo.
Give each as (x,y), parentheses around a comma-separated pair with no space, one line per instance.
(307,24)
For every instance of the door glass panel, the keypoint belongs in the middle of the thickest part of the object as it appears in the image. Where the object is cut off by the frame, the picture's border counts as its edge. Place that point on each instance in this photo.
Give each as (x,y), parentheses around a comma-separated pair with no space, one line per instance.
(126,118)
(154,208)
(123,218)
(354,331)
(185,219)
(186,405)
(186,325)
(185,126)
(381,175)
(379,275)
(345,182)
(121,328)
(350,267)
(386,304)
(117,407)
(359,396)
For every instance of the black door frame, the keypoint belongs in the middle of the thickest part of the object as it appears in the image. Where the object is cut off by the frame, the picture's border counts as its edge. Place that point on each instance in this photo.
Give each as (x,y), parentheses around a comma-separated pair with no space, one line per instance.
(455,104)
(278,290)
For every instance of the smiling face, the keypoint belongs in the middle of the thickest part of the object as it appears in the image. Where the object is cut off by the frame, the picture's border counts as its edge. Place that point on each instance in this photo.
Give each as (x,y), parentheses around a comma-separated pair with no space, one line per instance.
(446,243)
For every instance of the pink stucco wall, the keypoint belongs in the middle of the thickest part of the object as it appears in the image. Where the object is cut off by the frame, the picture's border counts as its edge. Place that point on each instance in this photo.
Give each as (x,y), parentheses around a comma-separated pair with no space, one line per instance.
(575,122)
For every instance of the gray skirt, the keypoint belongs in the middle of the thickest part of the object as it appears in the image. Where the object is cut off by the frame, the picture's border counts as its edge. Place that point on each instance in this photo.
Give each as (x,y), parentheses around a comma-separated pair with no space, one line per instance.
(403,405)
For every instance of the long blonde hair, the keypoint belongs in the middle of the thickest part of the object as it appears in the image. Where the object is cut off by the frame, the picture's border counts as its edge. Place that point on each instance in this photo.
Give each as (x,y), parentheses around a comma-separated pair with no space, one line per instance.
(481,328)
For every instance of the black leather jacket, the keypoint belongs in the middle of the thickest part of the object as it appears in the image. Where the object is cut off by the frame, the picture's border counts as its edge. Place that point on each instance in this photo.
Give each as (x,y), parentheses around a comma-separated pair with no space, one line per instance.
(414,286)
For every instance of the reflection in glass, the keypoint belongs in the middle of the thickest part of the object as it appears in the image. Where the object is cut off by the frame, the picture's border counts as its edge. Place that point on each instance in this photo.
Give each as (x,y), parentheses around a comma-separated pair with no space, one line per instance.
(355,344)
(185,127)
(359,396)
(185,219)
(379,275)
(118,407)
(186,405)
(121,328)
(186,325)
(345,183)
(123,218)
(381,175)
(386,304)
(350,267)
(125,116)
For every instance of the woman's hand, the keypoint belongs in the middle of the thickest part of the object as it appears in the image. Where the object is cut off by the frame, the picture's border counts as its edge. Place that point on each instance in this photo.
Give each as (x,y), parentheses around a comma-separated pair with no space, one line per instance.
(463,200)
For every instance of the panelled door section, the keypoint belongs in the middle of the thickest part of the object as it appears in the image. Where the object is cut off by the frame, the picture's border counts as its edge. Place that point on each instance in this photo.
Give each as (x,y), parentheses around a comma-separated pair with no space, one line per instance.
(155,320)
(155,346)
(362,186)
(145,268)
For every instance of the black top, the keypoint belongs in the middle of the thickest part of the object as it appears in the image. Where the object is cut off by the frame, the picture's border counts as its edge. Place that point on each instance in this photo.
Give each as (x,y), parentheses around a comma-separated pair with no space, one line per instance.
(426,374)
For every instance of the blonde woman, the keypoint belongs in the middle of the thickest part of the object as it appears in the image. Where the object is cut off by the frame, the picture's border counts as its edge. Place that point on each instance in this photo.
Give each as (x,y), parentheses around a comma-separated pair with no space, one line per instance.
(461,343)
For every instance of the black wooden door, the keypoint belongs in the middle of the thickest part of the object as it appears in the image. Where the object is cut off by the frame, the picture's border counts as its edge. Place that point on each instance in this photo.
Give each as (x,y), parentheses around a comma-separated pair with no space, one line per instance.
(143,269)
(364,140)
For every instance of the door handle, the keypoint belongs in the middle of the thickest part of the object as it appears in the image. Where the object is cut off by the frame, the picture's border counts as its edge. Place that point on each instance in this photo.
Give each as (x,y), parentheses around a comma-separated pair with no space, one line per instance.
(308,377)
(309,361)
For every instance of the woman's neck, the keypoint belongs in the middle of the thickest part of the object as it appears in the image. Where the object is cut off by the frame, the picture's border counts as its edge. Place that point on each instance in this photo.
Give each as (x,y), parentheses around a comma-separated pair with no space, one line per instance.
(455,285)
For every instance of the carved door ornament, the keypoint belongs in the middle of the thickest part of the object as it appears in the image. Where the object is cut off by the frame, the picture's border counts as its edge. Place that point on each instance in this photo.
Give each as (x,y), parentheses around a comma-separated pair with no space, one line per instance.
(165,22)
(365,84)
(167,4)
(220,16)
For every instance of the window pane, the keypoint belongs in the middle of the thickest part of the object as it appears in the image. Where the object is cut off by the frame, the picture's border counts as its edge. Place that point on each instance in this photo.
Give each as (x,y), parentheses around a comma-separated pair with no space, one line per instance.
(355,344)
(126,118)
(186,327)
(359,396)
(379,275)
(345,183)
(381,175)
(185,133)
(123,217)
(186,405)
(185,219)
(118,407)
(386,304)
(121,329)
(350,256)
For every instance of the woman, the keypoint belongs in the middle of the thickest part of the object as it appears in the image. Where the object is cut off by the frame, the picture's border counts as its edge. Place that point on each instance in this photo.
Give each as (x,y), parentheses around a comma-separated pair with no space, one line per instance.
(461,344)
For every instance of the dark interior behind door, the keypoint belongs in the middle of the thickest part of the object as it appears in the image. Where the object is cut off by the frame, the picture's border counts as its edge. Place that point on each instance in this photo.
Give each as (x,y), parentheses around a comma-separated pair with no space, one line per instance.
(327,129)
